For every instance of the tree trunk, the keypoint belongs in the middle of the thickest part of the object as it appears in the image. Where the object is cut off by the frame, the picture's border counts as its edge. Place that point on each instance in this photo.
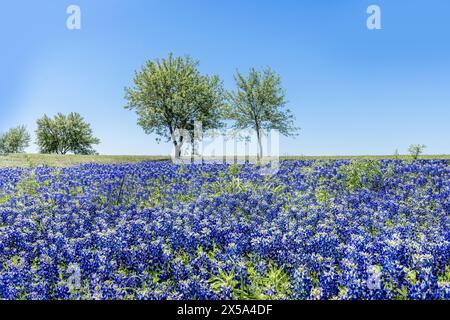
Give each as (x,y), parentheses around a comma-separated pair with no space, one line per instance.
(176,144)
(193,151)
(177,149)
(260,147)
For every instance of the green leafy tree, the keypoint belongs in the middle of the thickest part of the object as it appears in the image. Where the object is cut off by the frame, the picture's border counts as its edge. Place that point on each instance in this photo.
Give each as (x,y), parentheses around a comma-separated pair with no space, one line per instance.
(415,150)
(64,134)
(170,94)
(15,140)
(259,103)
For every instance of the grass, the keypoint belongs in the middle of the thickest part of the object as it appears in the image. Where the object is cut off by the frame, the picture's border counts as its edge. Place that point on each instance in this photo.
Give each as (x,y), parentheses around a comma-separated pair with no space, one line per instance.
(369,157)
(34,160)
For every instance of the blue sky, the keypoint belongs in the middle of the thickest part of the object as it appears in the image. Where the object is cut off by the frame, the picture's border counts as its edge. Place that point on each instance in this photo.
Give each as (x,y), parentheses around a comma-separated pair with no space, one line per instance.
(353,90)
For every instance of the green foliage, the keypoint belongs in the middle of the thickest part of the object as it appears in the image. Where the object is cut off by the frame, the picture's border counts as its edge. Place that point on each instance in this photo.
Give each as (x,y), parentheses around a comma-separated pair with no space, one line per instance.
(446,276)
(170,94)
(235,186)
(64,134)
(234,170)
(28,185)
(411,277)
(230,186)
(4,199)
(402,293)
(182,168)
(15,140)
(415,150)
(223,280)
(279,189)
(259,103)
(274,284)
(361,174)
(322,195)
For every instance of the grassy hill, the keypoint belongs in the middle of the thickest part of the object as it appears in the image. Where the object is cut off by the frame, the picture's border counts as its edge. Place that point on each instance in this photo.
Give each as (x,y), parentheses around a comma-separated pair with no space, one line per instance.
(33,160)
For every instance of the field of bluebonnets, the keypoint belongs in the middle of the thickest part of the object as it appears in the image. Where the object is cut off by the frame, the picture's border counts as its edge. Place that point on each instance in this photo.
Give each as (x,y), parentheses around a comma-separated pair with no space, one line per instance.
(155,230)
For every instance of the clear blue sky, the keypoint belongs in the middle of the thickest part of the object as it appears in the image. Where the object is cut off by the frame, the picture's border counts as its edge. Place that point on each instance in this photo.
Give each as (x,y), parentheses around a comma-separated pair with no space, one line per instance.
(353,90)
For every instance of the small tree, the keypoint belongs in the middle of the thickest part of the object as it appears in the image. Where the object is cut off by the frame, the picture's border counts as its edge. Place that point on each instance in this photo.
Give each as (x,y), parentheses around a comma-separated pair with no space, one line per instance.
(171,94)
(64,134)
(396,154)
(15,140)
(415,150)
(259,103)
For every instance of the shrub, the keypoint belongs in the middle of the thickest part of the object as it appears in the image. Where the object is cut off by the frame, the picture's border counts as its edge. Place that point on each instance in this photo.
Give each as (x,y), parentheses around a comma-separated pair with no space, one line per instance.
(362,174)
(415,150)
(15,140)
(64,134)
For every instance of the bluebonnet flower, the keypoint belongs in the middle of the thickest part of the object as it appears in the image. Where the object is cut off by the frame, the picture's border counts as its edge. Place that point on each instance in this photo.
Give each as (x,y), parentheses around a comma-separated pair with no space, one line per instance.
(156,231)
